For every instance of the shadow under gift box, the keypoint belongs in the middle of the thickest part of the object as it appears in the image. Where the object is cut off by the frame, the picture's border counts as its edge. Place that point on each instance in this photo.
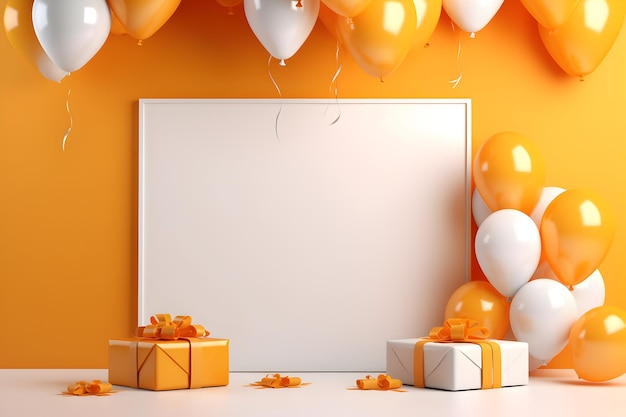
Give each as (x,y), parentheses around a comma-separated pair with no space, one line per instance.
(455,366)
(168,364)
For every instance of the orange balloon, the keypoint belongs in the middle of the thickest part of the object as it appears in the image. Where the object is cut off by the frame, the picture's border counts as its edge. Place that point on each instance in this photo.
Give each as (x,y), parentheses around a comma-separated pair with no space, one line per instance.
(329,19)
(377,38)
(229,4)
(581,44)
(117,28)
(479,300)
(509,172)
(576,231)
(428,13)
(347,8)
(142,18)
(597,344)
(550,13)
(18,26)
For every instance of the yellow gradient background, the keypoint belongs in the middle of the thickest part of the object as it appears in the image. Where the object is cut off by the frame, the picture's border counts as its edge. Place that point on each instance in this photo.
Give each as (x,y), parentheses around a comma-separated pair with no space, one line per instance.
(68,219)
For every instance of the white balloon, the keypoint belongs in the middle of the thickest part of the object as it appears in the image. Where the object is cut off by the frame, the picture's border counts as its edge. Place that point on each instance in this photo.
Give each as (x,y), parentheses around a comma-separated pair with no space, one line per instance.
(589,293)
(71,32)
(18,24)
(508,249)
(547,195)
(48,69)
(281,26)
(480,211)
(471,15)
(534,363)
(542,314)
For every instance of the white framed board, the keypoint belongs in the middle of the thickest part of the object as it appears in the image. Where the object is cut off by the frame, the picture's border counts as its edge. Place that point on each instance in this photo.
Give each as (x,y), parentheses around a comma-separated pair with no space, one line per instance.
(307,231)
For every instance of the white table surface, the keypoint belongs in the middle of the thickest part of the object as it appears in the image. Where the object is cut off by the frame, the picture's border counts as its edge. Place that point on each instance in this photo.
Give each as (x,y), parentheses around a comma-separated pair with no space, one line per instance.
(554,393)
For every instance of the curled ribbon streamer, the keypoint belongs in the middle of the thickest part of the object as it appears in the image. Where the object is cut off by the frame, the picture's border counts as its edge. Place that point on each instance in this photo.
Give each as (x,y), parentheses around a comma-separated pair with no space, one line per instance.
(96,387)
(367,383)
(278,381)
(457,80)
(163,327)
(468,331)
(269,72)
(334,82)
(69,129)
(383,382)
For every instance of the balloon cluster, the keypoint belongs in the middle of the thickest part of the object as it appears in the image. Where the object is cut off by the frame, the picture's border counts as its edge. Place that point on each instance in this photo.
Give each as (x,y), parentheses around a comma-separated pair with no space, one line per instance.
(61,36)
(378,34)
(539,248)
(578,33)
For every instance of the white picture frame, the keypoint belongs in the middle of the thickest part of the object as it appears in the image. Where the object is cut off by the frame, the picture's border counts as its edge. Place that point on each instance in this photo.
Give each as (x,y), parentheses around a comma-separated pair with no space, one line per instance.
(307,231)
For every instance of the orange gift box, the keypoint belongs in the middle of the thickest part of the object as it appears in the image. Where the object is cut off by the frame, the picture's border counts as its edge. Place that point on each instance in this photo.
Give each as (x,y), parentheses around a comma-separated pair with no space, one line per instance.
(158,365)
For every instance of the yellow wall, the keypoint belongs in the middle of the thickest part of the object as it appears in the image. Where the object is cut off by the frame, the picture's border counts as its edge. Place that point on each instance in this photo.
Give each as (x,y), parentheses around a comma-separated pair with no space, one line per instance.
(68,219)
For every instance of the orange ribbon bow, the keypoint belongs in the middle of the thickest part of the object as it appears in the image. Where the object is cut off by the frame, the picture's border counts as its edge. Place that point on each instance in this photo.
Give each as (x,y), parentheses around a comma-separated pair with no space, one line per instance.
(163,327)
(382,383)
(468,331)
(277,381)
(95,387)
(459,330)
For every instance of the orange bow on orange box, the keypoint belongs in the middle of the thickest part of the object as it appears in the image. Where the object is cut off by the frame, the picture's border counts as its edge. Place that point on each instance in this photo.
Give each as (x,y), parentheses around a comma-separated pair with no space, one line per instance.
(464,331)
(163,327)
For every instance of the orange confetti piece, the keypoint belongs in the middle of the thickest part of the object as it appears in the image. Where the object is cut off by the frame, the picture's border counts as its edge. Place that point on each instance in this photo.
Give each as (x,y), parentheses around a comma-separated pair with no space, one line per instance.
(278,381)
(95,387)
(382,383)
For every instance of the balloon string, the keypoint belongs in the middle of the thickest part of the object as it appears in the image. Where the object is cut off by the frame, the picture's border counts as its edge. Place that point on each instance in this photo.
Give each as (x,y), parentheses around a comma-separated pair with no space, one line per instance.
(280,109)
(69,129)
(334,82)
(457,80)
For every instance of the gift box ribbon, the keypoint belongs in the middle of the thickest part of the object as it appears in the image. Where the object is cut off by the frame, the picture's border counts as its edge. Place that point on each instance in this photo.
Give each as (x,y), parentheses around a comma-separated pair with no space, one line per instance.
(163,327)
(464,331)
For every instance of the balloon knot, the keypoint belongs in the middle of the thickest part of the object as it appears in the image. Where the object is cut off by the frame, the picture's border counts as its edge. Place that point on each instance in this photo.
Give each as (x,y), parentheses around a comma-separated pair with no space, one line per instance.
(508,299)
(582,78)
(299,3)
(140,42)
(570,287)
(472,35)
(381,80)
(230,12)
(282,63)
(426,45)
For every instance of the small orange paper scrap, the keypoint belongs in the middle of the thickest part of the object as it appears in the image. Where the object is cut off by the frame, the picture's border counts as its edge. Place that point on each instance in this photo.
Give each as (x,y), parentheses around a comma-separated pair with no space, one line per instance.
(382,383)
(278,381)
(95,387)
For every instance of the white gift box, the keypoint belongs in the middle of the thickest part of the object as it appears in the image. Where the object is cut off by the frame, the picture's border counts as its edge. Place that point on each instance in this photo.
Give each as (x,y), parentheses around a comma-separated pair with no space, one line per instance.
(456,366)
